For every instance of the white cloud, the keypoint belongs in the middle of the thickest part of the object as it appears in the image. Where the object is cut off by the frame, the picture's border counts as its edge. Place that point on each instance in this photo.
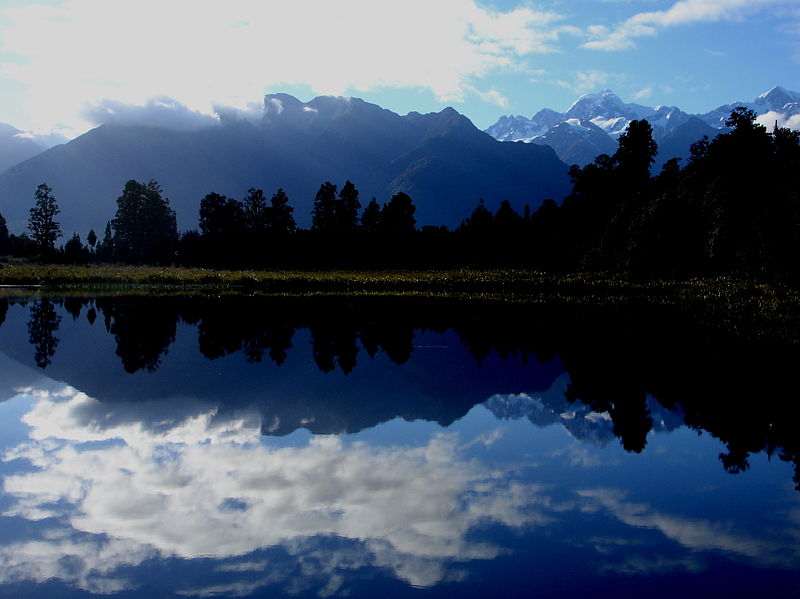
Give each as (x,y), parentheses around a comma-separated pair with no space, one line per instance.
(643,93)
(768,119)
(156,112)
(590,81)
(685,12)
(493,96)
(199,53)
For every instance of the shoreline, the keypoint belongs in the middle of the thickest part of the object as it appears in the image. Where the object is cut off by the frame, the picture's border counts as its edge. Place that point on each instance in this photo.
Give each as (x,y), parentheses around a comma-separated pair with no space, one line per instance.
(743,307)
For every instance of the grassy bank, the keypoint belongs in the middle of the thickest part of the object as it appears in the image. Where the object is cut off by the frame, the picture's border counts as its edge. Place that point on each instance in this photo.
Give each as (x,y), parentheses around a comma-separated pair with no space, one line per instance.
(508,280)
(736,304)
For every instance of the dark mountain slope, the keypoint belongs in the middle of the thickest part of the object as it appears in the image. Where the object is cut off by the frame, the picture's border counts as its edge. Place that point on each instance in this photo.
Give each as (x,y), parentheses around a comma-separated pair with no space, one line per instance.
(440,159)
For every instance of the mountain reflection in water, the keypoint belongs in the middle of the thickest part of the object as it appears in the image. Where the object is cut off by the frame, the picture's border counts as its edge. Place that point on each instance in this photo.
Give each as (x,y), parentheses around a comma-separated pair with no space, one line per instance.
(248,446)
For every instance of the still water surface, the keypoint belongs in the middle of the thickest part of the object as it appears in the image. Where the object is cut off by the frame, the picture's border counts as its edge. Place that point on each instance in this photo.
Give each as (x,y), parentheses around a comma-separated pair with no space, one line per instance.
(324,447)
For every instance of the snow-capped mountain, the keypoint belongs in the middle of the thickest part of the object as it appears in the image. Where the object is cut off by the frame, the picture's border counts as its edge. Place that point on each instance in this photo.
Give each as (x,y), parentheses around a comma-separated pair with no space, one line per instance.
(593,123)
(607,111)
(778,100)
(520,128)
(578,419)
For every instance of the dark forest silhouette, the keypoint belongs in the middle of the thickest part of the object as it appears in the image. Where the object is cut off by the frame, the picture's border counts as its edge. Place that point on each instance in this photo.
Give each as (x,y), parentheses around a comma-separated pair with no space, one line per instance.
(615,356)
(734,208)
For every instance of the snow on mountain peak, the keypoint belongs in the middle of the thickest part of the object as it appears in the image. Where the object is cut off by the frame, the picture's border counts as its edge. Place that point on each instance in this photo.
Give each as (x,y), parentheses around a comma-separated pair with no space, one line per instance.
(604,103)
(777,98)
(603,113)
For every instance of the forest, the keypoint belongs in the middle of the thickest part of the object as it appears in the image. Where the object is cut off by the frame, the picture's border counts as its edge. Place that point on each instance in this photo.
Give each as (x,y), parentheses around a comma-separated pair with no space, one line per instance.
(733,208)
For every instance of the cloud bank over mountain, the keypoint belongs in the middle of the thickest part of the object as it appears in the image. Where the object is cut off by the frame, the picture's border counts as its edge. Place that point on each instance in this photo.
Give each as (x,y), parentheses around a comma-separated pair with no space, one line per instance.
(230,56)
(61,59)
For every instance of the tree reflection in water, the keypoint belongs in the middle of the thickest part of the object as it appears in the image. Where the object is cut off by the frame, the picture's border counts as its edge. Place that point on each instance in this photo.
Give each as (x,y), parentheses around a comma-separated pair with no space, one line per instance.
(616,356)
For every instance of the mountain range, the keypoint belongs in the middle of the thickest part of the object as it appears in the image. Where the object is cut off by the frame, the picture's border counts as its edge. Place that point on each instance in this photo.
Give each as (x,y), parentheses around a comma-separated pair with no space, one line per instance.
(593,123)
(440,159)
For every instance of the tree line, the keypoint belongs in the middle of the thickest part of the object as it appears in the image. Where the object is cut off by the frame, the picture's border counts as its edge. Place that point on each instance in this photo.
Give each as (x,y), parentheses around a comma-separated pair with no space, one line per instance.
(733,208)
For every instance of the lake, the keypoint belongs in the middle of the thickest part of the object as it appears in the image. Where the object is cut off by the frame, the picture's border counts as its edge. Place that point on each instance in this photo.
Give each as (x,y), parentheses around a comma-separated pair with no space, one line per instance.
(215,445)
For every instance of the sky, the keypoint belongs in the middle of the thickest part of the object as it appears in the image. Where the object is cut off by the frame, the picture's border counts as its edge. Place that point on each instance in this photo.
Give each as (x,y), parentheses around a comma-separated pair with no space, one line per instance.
(69,65)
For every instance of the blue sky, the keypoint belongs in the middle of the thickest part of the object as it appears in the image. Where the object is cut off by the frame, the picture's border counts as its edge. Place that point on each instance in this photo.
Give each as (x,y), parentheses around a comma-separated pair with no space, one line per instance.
(68,65)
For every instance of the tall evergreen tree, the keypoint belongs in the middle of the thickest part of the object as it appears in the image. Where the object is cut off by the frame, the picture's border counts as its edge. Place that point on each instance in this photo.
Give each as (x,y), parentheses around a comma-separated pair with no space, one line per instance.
(74,250)
(145,227)
(480,221)
(42,223)
(281,220)
(397,216)
(221,217)
(636,153)
(371,217)
(346,208)
(323,216)
(256,211)
(507,222)
(105,249)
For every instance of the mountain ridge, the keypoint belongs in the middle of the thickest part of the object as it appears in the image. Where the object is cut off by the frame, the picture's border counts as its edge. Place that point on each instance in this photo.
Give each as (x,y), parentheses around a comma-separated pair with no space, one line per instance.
(441,159)
(607,112)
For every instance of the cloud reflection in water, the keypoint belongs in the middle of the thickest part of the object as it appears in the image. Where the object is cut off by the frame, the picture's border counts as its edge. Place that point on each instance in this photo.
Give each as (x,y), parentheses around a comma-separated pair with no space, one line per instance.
(204,488)
(111,491)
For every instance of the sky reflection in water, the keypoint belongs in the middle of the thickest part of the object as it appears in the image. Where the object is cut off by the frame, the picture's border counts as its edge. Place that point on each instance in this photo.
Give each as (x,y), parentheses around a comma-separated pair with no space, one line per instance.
(525,492)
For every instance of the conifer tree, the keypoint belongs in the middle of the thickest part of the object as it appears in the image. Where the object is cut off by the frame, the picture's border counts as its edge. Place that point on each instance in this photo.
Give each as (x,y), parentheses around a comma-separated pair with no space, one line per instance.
(281,221)
(41,223)
(323,216)
(480,221)
(145,227)
(256,211)
(346,208)
(371,217)
(397,216)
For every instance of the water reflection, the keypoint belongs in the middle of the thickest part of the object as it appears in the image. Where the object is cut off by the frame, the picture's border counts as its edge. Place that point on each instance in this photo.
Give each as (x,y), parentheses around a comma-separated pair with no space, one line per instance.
(203,448)
(617,360)
(202,488)
(113,495)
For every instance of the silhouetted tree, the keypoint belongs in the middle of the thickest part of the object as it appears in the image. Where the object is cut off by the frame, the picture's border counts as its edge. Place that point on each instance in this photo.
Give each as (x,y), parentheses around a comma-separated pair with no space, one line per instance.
(507,223)
(42,223)
(281,221)
(479,222)
(371,217)
(397,216)
(145,228)
(221,218)
(323,215)
(105,249)
(91,238)
(636,154)
(346,208)
(545,236)
(74,251)
(256,212)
